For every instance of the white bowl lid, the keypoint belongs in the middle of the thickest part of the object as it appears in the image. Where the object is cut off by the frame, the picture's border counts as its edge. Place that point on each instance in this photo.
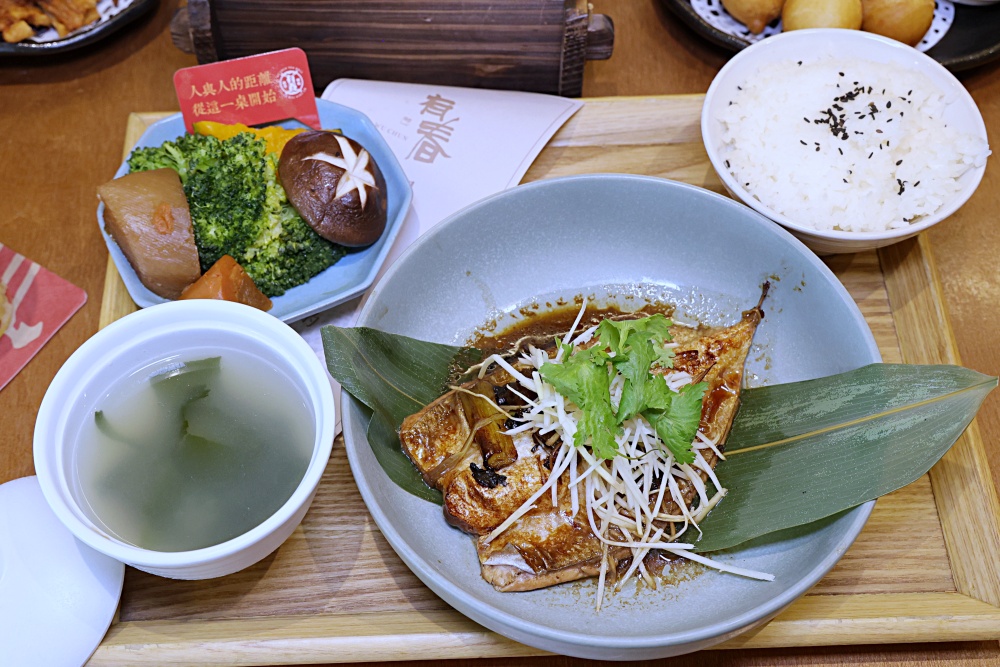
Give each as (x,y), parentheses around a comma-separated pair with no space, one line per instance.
(57,595)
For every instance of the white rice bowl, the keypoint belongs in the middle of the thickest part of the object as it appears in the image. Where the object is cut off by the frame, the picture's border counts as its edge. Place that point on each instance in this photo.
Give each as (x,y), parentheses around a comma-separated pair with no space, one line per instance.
(847,151)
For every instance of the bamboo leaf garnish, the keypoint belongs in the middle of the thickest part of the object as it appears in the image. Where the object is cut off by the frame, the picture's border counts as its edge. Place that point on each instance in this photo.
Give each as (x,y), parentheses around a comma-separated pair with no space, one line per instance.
(803,451)
(988,382)
(393,376)
(797,452)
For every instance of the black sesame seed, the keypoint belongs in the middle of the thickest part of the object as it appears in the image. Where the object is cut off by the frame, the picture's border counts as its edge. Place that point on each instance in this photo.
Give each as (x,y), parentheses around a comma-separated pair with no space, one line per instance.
(916,184)
(727,164)
(888,104)
(899,162)
(838,150)
(870,155)
(803,142)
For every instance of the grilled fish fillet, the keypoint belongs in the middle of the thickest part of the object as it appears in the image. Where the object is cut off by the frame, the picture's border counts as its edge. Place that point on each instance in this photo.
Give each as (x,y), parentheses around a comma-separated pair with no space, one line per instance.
(549,545)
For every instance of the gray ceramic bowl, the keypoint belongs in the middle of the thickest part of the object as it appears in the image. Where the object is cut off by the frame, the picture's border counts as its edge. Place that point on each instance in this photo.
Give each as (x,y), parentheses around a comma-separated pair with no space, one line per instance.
(618,235)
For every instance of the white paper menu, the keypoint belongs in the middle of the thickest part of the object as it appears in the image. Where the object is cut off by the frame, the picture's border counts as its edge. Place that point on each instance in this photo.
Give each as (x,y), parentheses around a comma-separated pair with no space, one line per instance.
(456,146)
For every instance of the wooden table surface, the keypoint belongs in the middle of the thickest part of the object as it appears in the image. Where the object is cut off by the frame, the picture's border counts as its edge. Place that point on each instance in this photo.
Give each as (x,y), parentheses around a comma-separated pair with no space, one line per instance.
(62,121)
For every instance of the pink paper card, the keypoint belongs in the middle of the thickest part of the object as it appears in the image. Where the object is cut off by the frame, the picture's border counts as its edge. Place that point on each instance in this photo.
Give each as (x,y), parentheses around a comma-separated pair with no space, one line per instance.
(34,304)
(252,90)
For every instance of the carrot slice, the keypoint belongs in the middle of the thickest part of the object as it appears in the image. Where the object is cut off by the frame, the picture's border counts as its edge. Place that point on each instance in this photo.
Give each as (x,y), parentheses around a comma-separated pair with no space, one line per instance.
(227,281)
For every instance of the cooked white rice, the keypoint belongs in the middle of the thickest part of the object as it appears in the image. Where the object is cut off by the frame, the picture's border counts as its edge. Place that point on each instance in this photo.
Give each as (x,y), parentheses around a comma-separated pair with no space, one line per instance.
(846,145)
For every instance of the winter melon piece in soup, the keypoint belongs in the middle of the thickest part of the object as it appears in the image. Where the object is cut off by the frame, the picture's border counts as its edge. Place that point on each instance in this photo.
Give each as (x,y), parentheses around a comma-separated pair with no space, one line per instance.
(192,451)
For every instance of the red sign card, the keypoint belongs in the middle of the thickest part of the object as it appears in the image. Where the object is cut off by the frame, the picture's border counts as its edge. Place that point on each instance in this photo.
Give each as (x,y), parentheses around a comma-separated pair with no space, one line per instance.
(253,90)
(34,304)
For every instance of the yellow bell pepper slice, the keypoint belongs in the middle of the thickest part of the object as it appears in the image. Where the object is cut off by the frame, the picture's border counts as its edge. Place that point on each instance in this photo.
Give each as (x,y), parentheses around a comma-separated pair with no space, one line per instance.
(275,135)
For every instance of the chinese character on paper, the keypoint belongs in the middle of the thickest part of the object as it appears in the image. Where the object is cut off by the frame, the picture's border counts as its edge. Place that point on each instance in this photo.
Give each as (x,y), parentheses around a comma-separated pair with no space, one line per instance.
(436,106)
(434,133)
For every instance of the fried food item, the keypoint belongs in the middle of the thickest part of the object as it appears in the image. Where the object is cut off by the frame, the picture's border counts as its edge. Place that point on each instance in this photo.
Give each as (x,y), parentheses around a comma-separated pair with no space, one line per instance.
(906,21)
(754,14)
(20,18)
(227,281)
(802,14)
(70,15)
(147,215)
(17,32)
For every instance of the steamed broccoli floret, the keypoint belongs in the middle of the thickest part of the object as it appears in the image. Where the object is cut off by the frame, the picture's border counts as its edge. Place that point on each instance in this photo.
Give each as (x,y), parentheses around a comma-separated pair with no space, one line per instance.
(226,189)
(172,155)
(224,182)
(286,252)
(238,208)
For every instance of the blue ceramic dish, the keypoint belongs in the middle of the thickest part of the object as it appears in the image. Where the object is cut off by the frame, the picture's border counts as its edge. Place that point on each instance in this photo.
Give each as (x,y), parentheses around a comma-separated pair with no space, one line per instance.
(346,279)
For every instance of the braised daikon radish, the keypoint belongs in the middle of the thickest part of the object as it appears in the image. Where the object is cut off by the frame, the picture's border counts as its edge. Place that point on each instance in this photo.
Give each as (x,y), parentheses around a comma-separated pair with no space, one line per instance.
(147,215)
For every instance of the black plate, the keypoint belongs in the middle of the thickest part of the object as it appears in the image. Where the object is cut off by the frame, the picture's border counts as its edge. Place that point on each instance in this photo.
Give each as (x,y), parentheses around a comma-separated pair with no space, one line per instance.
(973,39)
(75,41)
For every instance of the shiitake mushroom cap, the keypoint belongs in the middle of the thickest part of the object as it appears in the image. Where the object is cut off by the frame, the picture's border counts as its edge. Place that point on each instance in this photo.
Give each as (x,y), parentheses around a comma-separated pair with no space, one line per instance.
(310,182)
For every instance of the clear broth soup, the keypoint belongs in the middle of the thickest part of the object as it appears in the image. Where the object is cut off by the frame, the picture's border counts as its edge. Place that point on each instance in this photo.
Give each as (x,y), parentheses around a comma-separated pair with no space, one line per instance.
(191,452)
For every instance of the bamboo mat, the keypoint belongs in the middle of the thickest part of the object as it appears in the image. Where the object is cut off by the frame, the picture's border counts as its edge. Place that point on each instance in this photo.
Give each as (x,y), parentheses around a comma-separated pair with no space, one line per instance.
(924,568)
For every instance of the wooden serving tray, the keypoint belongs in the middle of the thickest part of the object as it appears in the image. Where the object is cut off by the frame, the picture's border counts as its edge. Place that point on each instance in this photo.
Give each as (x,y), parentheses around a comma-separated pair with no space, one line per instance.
(924,568)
